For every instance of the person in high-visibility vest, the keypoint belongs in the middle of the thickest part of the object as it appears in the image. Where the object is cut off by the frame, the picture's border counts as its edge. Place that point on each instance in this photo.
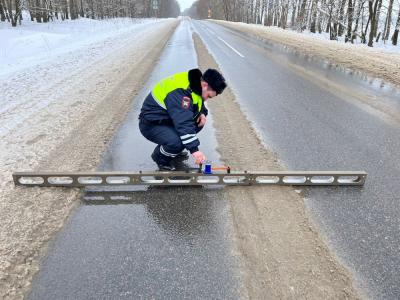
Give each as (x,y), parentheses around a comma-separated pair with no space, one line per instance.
(174,112)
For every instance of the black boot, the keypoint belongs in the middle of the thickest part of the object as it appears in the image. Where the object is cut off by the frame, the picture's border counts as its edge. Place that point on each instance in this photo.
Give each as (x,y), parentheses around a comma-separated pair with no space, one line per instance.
(183,155)
(163,167)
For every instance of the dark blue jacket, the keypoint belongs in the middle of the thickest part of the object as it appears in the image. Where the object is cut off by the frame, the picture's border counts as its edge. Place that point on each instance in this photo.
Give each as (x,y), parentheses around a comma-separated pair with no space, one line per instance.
(180,111)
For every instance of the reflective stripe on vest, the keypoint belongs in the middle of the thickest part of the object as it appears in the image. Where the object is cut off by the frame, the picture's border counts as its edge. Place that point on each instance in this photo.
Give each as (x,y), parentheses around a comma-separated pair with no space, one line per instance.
(171,83)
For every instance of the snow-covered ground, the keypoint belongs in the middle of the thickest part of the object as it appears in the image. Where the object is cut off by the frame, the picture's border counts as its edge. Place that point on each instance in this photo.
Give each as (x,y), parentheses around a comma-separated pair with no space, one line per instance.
(33,43)
(384,45)
(64,87)
(33,51)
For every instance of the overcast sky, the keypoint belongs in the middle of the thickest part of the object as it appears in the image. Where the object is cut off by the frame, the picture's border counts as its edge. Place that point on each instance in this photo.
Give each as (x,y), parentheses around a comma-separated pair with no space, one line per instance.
(185,4)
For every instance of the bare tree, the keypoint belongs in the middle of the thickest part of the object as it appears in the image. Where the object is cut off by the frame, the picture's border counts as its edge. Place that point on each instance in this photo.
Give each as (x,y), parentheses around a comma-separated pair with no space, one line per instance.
(378,13)
(396,31)
(349,20)
(13,10)
(358,15)
(339,24)
(314,15)
(388,21)
(372,7)
(2,11)
(301,16)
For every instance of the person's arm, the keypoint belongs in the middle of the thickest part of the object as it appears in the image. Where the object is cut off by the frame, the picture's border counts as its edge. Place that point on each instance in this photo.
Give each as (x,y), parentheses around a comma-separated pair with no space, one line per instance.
(204,110)
(179,107)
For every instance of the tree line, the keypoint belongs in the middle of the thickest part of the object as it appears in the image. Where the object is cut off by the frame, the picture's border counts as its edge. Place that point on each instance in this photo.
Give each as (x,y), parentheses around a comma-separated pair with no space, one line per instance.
(366,20)
(48,10)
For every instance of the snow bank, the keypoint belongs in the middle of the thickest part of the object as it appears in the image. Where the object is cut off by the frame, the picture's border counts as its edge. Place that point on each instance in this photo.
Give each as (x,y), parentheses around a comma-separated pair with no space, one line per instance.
(384,45)
(33,43)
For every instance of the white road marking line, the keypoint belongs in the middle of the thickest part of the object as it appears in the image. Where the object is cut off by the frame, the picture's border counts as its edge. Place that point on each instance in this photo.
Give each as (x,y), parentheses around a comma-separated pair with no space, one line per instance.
(233,49)
(210,31)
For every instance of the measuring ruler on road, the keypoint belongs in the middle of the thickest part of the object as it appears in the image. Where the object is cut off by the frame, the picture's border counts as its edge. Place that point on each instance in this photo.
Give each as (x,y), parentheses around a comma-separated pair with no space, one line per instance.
(181,178)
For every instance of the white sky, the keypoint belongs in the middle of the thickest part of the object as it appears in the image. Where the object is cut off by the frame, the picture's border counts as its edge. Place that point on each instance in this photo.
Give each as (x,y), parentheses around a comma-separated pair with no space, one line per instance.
(185,4)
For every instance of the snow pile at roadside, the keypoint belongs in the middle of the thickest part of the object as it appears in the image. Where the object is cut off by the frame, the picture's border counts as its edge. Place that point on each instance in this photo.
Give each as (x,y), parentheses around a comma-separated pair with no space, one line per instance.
(39,65)
(33,43)
(385,46)
(377,62)
(64,89)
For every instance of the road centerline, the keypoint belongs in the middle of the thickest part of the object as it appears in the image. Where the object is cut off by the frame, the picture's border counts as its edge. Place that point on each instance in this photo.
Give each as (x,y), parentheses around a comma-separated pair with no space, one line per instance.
(233,49)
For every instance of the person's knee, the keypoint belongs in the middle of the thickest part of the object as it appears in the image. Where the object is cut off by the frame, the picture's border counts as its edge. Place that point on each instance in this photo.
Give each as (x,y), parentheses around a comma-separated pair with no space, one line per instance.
(145,130)
(174,147)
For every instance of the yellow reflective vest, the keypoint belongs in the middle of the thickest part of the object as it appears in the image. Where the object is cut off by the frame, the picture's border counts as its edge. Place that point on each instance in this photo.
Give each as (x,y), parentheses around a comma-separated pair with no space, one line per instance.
(171,83)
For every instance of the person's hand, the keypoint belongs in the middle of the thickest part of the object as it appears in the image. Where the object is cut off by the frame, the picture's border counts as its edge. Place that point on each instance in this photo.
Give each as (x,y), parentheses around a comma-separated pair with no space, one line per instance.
(199,157)
(201,121)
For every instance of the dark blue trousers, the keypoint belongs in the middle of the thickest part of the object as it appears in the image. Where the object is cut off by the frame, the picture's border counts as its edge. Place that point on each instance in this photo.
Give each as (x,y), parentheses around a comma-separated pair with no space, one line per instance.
(169,144)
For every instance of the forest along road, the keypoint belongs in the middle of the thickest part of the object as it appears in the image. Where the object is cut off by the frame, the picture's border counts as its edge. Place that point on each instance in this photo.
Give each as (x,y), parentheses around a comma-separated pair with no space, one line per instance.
(317,118)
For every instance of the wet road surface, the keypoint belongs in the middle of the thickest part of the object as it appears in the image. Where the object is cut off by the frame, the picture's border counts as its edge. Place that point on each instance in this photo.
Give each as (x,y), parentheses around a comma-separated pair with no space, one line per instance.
(158,242)
(313,126)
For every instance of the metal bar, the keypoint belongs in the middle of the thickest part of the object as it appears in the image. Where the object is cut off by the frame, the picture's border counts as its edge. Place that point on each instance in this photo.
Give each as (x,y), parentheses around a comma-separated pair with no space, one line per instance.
(83,179)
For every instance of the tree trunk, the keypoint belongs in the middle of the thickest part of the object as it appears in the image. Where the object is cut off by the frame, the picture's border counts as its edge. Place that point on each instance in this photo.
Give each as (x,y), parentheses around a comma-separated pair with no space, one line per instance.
(270,13)
(17,15)
(349,21)
(38,15)
(364,32)
(314,16)
(255,11)
(386,31)
(396,31)
(292,22)
(2,14)
(31,10)
(226,9)
(300,19)
(81,11)
(4,4)
(91,10)
(307,19)
(262,11)
(14,17)
(284,14)
(359,9)
(320,17)
(274,15)
(45,12)
(72,9)
(341,17)
(377,14)
(372,7)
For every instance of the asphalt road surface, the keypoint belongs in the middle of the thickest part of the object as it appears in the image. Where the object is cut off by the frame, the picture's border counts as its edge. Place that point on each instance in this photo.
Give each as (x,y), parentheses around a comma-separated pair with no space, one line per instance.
(177,244)
(313,126)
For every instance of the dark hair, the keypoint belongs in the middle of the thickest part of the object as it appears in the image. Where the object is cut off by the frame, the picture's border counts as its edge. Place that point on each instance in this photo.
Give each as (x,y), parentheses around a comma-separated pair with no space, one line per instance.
(215,80)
